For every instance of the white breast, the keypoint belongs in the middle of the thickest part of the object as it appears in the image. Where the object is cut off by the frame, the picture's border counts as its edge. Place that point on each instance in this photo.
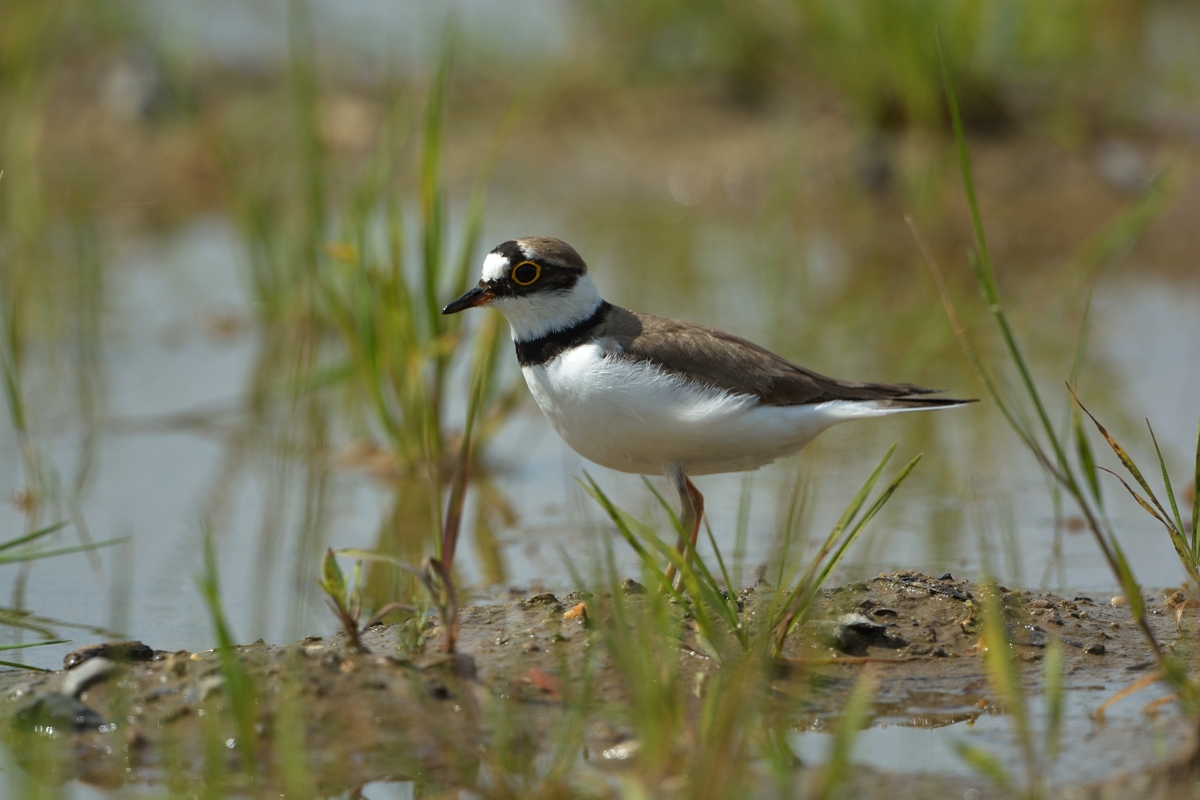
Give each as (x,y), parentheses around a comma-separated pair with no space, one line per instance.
(631,416)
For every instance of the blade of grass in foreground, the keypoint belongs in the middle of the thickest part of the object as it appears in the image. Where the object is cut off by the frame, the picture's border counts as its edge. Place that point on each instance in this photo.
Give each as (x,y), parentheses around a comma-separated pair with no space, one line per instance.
(31,555)
(701,587)
(1054,462)
(798,598)
(854,717)
(1052,676)
(237,685)
(1196,499)
(706,591)
(1173,522)
(1004,677)
(29,537)
(26,646)
(711,591)
(793,610)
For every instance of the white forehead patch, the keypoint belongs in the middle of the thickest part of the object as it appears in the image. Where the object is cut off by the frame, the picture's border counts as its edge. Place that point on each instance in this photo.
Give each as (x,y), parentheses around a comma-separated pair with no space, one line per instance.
(495,267)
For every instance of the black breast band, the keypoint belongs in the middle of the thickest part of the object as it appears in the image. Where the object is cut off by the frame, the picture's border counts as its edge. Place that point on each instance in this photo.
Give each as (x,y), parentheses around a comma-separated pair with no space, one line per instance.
(546,348)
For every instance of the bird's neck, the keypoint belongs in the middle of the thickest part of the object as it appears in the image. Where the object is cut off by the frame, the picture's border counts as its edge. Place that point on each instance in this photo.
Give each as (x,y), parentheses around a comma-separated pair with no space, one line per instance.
(539,315)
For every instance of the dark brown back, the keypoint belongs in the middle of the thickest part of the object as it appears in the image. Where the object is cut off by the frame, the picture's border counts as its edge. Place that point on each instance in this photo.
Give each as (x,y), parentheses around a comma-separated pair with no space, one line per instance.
(724,361)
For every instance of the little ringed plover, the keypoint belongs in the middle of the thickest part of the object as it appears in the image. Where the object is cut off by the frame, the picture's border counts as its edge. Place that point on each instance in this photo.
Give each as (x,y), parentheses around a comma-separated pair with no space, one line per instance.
(654,396)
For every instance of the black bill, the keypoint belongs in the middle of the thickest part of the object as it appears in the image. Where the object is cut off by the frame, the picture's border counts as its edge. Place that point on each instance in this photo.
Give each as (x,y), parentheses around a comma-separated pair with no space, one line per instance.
(477,296)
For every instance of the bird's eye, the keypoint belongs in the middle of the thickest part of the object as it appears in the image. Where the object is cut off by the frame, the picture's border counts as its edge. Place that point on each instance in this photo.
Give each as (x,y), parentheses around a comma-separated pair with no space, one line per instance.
(526,273)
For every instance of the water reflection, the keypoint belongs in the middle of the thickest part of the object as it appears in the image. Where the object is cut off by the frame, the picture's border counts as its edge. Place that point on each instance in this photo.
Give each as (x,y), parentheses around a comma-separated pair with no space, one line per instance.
(197,423)
(907,746)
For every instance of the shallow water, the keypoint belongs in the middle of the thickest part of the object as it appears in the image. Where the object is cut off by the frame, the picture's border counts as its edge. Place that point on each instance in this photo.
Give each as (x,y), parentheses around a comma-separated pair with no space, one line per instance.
(1090,751)
(679,228)
(182,343)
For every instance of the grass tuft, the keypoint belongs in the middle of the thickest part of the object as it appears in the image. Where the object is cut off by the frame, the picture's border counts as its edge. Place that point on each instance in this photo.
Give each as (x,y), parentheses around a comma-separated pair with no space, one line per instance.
(711,601)
(1048,446)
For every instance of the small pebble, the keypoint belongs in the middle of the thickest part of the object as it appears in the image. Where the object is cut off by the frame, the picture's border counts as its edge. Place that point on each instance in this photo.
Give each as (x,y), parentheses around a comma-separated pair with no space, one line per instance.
(1119,601)
(87,673)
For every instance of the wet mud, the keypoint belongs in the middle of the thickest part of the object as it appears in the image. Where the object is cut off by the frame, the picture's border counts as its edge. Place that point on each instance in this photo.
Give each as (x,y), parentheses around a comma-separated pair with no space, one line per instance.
(124,712)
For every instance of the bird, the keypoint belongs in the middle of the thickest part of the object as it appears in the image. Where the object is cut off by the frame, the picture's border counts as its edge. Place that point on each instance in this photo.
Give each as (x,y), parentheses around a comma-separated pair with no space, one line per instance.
(655,396)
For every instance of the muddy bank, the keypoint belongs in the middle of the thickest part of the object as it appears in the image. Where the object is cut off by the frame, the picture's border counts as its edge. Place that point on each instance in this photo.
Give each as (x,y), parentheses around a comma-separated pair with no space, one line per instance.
(526,671)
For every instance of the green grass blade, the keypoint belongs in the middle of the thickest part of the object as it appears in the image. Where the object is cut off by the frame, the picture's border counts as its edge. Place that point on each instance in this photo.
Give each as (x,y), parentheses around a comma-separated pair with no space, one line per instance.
(1085,325)
(473,226)
(1004,676)
(1120,233)
(712,540)
(1129,584)
(706,590)
(332,579)
(742,531)
(1087,460)
(985,763)
(853,718)
(1196,499)
(1170,490)
(879,503)
(1178,540)
(698,582)
(1128,463)
(31,555)
(625,526)
(27,645)
(238,687)
(618,518)
(1141,501)
(983,266)
(1052,673)
(10,360)
(371,555)
(855,505)
(1007,409)
(458,489)
(792,611)
(39,533)
(676,523)
(433,201)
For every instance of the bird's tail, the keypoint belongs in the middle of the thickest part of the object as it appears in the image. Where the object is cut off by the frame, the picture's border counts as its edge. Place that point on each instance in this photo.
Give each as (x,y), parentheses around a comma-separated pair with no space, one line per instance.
(877,407)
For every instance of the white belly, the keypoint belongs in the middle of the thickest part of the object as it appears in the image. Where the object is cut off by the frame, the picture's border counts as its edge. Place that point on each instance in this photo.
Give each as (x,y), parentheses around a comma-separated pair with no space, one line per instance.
(633,417)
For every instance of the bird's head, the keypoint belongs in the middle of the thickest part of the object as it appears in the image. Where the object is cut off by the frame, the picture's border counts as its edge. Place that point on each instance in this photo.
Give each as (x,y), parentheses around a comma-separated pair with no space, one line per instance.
(541,285)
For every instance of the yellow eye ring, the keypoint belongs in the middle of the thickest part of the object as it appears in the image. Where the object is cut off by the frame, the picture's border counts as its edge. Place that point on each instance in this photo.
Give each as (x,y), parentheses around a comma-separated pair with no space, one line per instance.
(537,273)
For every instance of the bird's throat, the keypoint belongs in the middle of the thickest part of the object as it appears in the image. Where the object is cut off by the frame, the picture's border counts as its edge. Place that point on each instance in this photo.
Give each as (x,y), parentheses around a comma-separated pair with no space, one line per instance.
(532,352)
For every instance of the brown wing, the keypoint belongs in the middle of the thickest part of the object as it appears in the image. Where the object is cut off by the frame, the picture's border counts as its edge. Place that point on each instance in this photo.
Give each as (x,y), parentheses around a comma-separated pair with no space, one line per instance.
(722,360)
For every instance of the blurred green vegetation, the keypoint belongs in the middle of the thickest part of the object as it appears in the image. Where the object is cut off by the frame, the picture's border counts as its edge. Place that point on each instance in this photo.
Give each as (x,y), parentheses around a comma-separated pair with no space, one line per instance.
(358,200)
(1017,57)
